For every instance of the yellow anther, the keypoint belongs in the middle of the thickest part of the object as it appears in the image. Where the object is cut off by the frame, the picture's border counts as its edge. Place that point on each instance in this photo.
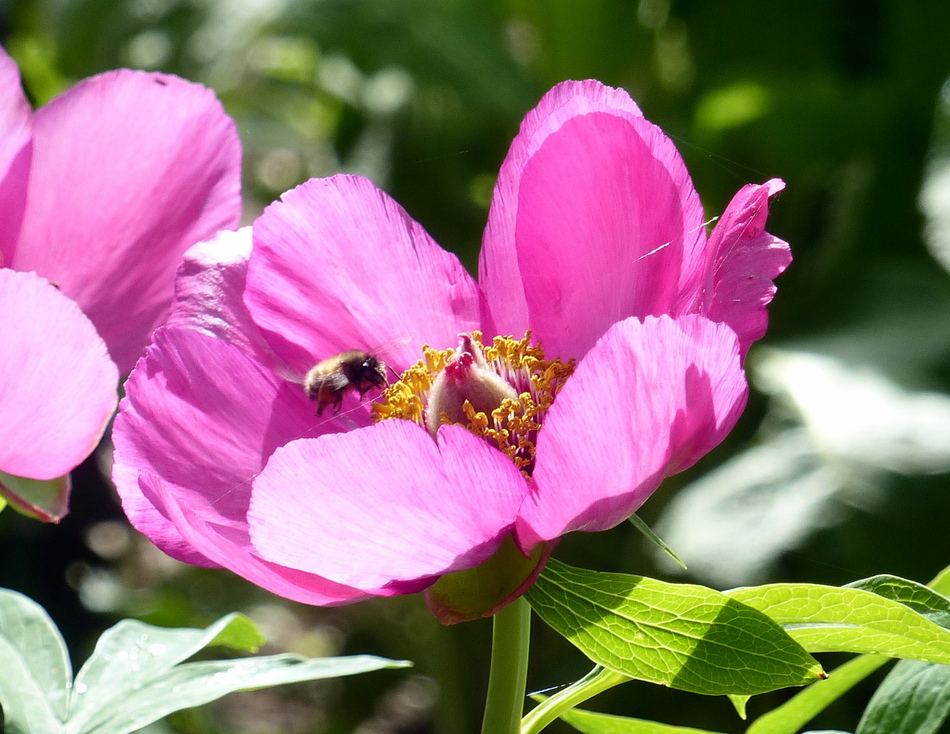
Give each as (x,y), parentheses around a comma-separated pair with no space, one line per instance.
(512,426)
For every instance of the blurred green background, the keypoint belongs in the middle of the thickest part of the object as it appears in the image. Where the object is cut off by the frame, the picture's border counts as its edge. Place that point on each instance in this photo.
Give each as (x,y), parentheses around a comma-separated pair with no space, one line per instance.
(838,469)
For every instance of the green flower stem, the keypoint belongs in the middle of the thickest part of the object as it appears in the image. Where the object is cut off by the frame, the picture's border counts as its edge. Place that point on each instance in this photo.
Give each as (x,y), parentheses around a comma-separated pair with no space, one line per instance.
(597,681)
(509,669)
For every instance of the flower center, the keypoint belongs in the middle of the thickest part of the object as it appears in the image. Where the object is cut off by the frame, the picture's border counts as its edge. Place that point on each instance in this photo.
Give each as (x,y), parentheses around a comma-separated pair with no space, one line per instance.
(499,392)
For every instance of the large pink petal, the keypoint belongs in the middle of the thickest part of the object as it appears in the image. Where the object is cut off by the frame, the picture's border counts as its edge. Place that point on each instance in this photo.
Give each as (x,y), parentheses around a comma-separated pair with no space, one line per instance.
(223,546)
(129,170)
(338,265)
(594,219)
(646,402)
(203,418)
(385,505)
(746,259)
(15,153)
(57,383)
(209,295)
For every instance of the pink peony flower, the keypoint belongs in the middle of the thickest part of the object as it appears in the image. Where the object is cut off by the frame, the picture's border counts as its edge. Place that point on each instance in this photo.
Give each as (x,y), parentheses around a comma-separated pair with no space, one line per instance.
(496,443)
(101,192)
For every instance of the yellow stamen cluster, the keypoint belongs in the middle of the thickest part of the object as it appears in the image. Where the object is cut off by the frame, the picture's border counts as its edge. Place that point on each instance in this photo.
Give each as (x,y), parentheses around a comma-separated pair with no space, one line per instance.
(514,425)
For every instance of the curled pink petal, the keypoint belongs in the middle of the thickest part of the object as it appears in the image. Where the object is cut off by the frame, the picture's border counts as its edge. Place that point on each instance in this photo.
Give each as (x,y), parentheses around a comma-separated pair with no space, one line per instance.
(594,219)
(385,505)
(746,259)
(129,169)
(15,155)
(338,265)
(57,383)
(203,418)
(646,402)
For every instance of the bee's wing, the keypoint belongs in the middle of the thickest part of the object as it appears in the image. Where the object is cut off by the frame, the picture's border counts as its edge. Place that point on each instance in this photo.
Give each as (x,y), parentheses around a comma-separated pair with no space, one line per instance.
(399,352)
(285,372)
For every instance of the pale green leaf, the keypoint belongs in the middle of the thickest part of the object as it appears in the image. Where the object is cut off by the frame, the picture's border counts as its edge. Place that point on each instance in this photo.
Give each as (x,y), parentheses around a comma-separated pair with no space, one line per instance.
(193,684)
(136,675)
(35,674)
(680,635)
(132,655)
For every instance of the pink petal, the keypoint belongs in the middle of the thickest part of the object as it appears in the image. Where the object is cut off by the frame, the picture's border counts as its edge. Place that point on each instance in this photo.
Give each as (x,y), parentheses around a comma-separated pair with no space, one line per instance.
(203,418)
(338,265)
(129,170)
(209,294)
(646,402)
(385,506)
(15,153)
(232,550)
(746,261)
(594,219)
(57,383)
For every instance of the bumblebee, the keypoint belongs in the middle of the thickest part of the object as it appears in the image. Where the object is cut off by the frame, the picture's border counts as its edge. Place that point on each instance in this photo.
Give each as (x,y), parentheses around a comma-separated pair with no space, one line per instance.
(355,370)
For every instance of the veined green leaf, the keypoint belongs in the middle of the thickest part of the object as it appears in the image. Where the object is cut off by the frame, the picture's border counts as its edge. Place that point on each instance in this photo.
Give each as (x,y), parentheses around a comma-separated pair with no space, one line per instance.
(832,619)
(680,635)
(922,599)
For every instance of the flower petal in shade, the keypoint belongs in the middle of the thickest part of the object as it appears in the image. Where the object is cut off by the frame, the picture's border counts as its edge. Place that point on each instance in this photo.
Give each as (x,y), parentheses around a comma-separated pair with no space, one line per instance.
(209,292)
(385,506)
(129,169)
(15,153)
(231,549)
(646,402)
(594,219)
(338,265)
(57,383)
(746,261)
(203,418)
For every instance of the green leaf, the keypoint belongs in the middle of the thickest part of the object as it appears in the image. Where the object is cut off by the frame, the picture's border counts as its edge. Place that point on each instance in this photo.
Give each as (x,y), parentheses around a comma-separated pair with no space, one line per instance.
(238,633)
(680,635)
(41,499)
(638,523)
(596,681)
(922,599)
(35,674)
(941,582)
(831,619)
(589,722)
(805,705)
(913,699)
(193,684)
(739,703)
